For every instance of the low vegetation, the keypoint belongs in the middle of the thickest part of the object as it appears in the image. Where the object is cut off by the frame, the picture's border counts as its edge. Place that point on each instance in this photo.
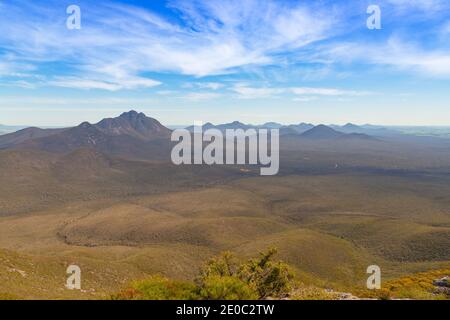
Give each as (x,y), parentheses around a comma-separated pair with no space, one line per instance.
(221,278)
(7,296)
(417,286)
(226,278)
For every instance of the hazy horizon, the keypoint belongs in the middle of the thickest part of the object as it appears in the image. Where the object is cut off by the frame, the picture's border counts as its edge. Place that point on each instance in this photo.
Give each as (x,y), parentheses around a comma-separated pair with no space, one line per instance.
(182,125)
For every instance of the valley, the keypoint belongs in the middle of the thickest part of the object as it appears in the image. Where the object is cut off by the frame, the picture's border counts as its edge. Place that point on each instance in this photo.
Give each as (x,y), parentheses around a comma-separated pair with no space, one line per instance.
(110,201)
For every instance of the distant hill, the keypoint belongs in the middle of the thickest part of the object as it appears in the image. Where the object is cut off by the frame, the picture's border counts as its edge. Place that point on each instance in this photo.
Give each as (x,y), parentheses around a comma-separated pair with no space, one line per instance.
(296,128)
(347,128)
(288,131)
(272,125)
(305,130)
(222,127)
(132,134)
(293,129)
(367,129)
(323,132)
(84,135)
(351,126)
(12,139)
(234,125)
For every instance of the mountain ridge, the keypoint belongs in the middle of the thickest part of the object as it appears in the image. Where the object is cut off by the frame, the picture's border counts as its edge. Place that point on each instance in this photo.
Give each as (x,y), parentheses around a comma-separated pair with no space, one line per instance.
(129,124)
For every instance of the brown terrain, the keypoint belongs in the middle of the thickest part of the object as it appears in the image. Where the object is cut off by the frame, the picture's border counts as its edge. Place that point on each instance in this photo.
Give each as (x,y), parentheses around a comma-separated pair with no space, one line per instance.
(106,197)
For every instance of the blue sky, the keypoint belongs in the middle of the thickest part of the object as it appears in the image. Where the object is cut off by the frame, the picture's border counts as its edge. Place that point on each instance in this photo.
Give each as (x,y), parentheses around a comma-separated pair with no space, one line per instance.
(253,61)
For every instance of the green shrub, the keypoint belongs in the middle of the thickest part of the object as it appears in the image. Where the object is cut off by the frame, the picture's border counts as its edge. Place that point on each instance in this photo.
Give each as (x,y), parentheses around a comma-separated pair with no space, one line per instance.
(266,277)
(270,278)
(226,288)
(221,278)
(159,288)
(226,265)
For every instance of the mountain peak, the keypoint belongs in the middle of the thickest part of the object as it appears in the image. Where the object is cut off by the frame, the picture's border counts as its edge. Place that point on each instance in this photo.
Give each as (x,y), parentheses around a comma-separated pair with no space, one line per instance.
(322,132)
(134,124)
(323,127)
(272,125)
(350,126)
(132,114)
(85,125)
(233,125)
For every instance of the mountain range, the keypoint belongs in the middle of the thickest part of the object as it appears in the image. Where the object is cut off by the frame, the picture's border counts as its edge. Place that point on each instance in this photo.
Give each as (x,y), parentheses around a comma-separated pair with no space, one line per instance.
(303,130)
(131,134)
(134,133)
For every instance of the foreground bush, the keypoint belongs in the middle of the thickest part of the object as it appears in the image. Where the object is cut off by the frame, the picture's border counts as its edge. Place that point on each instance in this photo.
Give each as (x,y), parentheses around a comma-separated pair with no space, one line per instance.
(226,288)
(221,278)
(159,288)
(262,275)
(270,278)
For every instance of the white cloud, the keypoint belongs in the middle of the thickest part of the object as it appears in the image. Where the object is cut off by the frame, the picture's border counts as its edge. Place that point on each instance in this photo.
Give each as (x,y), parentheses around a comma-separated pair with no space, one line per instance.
(327,92)
(256,93)
(119,44)
(204,85)
(426,5)
(124,83)
(8,101)
(446,28)
(200,96)
(4,68)
(211,85)
(117,40)
(303,93)
(305,99)
(396,53)
(165,92)
(9,68)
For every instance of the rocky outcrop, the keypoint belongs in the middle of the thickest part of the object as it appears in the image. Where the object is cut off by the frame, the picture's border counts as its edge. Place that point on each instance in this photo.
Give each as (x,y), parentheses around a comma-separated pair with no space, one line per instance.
(442,285)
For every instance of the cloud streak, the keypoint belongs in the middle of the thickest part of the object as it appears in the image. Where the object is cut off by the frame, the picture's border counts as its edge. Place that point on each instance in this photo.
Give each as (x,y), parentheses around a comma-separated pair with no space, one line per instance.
(118,44)
(122,47)
(300,93)
(395,53)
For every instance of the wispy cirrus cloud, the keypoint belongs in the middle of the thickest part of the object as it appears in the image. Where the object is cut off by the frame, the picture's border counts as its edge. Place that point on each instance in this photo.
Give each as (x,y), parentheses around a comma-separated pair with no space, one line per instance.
(445,30)
(115,85)
(119,43)
(305,99)
(200,96)
(395,53)
(327,92)
(124,47)
(300,93)
(203,85)
(245,92)
(424,5)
